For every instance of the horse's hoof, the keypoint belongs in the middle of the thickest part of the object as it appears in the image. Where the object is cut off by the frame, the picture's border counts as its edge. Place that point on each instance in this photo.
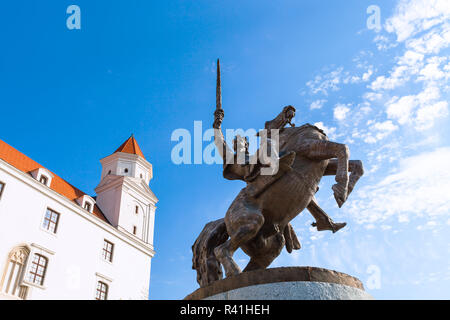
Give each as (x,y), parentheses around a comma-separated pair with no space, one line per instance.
(224,257)
(340,194)
(231,268)
(338,199)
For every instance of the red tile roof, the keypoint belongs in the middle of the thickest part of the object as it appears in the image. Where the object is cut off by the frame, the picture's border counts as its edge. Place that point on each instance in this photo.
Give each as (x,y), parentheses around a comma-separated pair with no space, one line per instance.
(25,164)
(130,146)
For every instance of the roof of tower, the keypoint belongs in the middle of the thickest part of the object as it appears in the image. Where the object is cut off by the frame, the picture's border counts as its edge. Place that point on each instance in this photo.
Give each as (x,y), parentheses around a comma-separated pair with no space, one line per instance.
(130,146)
(25,164)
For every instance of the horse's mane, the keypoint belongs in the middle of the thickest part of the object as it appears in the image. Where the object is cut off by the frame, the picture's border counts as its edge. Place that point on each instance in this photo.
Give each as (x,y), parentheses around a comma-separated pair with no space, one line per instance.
(307,125)
(287,134)
(304,127)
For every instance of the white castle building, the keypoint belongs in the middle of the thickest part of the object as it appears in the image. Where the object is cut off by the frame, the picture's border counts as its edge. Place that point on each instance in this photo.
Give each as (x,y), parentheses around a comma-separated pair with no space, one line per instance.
(57,242)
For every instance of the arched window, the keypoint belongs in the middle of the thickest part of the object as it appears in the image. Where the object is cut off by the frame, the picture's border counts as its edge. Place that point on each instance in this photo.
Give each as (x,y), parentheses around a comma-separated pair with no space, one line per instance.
(13,273)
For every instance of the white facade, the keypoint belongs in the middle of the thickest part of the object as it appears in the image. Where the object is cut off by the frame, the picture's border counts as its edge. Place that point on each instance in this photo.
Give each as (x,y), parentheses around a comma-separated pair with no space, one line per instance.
(75,261)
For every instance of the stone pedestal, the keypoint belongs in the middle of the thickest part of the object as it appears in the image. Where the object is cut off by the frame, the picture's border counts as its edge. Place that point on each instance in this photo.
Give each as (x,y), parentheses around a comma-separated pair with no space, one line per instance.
(288,283)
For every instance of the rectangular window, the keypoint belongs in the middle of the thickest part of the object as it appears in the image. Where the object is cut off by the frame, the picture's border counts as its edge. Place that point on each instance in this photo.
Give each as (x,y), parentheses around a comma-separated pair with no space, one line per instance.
(87,206)
(102,291)
(37,270)
(51,220)
(108,249)
(2,186)
(134,230)
(136,210)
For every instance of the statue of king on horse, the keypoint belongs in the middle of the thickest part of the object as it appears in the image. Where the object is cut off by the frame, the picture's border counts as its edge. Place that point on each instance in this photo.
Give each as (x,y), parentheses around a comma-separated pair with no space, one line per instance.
(258,220)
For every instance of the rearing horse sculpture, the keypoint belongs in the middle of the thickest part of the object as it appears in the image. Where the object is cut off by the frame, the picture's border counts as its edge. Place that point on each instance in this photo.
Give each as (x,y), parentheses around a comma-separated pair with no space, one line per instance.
(258,220)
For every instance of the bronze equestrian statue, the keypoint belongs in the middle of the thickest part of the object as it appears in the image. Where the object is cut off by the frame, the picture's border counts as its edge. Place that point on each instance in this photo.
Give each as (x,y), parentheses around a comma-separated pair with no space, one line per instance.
(258,220)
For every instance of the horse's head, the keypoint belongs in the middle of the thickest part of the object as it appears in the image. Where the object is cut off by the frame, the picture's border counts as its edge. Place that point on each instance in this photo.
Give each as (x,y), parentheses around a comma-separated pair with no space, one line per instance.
(283,118)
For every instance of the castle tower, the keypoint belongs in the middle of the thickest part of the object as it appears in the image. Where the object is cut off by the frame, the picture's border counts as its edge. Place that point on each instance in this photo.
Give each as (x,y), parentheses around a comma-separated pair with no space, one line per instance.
(124,195)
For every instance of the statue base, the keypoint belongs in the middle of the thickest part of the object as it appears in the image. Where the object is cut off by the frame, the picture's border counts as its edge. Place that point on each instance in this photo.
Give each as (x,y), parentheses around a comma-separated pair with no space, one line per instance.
(287,283)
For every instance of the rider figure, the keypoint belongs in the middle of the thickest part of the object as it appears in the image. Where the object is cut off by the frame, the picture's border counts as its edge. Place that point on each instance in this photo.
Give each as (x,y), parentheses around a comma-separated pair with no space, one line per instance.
(238,164)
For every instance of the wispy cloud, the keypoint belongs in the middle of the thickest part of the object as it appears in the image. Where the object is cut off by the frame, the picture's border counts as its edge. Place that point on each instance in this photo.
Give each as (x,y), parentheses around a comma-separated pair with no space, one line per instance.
(414,16)
(394,120)
(327,82)
(419,187)
(317,104)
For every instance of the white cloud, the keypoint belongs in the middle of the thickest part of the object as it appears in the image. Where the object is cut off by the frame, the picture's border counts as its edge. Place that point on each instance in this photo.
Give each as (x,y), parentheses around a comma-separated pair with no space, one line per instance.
(383,43)
(358,79)
(372,96)
(318,104)
(329,81)
(400,109)
(407,66)
(420,110)
(340,111)
(399,75)
(386,126)
(410,58)
(427,114)
(378,131)
(419,188)
(432,71)
(366,75)
(432,42)
(423,27)
(414,16)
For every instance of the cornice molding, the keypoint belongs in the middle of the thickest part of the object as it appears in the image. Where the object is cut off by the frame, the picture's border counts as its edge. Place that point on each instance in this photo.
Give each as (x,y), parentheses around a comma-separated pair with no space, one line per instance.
(113,181)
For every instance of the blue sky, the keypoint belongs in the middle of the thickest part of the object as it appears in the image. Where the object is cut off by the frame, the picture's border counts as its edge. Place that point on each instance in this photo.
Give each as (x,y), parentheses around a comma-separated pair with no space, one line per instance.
(70,97)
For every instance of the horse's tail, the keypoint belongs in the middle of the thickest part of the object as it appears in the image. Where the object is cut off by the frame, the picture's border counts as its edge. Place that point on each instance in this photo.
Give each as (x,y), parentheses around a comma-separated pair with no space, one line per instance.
(204,260)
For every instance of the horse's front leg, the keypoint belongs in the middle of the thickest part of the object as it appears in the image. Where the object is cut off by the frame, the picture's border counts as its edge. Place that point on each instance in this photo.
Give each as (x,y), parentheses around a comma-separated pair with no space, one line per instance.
(323,150)
(355,167)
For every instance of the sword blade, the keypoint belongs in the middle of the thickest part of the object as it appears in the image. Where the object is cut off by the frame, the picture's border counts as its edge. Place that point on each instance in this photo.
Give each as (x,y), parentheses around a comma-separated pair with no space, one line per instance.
(218,88)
